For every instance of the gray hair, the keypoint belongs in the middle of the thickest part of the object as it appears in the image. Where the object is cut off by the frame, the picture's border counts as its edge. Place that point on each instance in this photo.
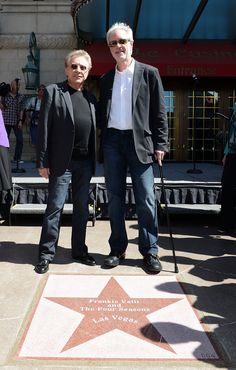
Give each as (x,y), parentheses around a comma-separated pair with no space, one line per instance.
(122,26)
(78,53)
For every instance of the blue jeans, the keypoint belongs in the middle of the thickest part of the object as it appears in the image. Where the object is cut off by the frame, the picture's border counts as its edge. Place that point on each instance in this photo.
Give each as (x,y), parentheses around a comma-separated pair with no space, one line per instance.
(119,155)
(79,173)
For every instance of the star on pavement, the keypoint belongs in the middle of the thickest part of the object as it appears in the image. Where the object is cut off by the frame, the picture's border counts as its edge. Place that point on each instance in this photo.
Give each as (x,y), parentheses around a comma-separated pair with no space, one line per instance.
(114,309)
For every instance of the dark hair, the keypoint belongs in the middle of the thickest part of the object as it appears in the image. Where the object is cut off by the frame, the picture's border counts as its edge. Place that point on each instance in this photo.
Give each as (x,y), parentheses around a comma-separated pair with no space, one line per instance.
(41,87)
(4,89)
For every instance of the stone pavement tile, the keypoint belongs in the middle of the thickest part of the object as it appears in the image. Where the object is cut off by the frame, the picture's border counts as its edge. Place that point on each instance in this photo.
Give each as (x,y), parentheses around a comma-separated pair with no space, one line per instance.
(121,317)
(206,264)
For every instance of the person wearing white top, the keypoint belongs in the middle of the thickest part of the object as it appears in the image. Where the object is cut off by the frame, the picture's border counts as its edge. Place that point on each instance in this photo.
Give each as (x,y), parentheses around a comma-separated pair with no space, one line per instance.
(134,135)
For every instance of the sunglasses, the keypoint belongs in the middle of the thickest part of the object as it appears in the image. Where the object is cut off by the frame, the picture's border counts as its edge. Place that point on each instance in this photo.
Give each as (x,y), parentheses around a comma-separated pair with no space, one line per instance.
(114,43)
(81,66)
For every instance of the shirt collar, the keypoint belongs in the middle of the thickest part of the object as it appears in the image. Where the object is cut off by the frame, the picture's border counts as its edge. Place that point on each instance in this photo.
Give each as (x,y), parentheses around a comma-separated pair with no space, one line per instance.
(129,69)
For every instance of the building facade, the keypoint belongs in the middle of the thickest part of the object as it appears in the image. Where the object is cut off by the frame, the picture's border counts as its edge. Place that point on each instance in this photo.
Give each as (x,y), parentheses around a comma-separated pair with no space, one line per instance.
(190,41)
(53,26)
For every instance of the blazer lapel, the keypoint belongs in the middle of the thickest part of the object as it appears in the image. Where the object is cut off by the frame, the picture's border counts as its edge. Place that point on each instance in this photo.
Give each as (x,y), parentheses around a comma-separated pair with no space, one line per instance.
(109,92)
(66,96)
(92,108)
(138,71)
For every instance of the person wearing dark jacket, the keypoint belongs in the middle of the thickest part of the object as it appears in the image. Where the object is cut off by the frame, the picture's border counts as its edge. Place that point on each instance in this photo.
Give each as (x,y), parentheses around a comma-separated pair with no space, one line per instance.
(134,135)
(228,181)
(66,153)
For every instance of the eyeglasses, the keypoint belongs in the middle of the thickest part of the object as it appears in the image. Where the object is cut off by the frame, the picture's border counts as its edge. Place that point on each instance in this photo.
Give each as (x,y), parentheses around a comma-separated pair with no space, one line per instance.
(81,66)
(114,43)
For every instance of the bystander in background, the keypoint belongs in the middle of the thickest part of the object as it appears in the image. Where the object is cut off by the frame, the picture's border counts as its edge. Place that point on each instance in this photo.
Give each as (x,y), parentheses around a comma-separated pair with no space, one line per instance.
(228,194)
(32,116)
(5,172)
(12,110)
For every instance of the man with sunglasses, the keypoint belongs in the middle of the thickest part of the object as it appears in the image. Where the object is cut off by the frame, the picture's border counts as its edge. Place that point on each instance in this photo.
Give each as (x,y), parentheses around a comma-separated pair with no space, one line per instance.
(66,153)
(134,135)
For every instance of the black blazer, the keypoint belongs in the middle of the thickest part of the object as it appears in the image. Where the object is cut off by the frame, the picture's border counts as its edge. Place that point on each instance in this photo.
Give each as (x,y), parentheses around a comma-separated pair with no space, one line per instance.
(55,138)
(149,120)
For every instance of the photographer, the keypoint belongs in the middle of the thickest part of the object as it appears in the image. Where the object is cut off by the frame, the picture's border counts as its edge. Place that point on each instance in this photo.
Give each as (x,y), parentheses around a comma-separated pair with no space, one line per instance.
(12,110)
(4,90)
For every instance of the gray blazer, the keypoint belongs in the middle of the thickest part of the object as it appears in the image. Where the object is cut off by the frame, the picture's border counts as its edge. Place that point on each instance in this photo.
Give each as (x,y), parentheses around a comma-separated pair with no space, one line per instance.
(56,129)
(149,120)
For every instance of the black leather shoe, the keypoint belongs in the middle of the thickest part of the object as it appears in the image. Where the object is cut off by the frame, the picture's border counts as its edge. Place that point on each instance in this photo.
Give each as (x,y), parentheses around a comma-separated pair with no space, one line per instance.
(226,230)
(42,266)
(152,263)
(113,260)
(86,259)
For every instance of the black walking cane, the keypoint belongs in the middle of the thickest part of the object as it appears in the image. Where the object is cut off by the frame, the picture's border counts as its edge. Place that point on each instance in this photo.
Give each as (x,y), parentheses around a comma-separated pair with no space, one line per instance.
(168,217)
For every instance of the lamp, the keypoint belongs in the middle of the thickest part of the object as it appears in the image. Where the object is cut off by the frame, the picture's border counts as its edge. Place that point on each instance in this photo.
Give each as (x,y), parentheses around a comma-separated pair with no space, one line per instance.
(31,70)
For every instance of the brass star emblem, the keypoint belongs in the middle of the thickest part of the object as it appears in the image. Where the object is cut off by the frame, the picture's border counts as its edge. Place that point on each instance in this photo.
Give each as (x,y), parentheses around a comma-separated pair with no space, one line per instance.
(114,309)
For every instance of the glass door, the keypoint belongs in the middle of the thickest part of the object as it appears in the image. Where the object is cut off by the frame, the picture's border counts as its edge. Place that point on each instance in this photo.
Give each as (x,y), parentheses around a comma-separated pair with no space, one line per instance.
(198,123)
(202,141)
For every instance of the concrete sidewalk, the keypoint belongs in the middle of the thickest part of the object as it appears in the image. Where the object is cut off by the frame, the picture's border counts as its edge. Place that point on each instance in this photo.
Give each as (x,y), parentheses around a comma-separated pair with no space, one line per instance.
(207,272)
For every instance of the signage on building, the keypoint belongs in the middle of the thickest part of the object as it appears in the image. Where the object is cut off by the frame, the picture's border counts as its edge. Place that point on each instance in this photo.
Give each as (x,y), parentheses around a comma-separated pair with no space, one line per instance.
(211,59)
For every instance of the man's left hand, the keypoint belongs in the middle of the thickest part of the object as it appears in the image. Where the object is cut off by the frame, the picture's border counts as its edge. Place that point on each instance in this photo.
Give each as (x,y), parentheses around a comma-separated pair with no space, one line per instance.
(159,156)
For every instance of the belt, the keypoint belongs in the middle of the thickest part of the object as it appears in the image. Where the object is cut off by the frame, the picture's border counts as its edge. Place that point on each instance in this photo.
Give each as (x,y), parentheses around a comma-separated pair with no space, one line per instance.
(121,132)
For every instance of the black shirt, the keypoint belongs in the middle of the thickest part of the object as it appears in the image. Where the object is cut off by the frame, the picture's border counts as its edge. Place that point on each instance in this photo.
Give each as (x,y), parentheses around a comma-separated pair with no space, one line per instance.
(83,124)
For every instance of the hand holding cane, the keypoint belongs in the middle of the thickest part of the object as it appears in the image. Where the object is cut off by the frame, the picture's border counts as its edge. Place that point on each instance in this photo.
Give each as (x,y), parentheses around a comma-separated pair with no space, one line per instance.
(159,162)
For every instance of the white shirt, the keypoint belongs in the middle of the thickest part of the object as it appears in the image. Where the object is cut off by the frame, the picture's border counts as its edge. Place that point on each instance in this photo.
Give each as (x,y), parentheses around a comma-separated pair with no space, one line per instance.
(121,102)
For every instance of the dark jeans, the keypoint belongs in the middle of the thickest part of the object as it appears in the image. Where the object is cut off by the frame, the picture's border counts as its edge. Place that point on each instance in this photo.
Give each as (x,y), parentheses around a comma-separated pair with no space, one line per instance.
(119,155)
(228,195)
(33,134)
(79,173)
(19,140)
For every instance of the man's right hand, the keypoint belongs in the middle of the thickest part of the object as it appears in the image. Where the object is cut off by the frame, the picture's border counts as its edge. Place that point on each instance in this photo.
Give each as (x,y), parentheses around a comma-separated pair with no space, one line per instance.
(44,172)
(223,160)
